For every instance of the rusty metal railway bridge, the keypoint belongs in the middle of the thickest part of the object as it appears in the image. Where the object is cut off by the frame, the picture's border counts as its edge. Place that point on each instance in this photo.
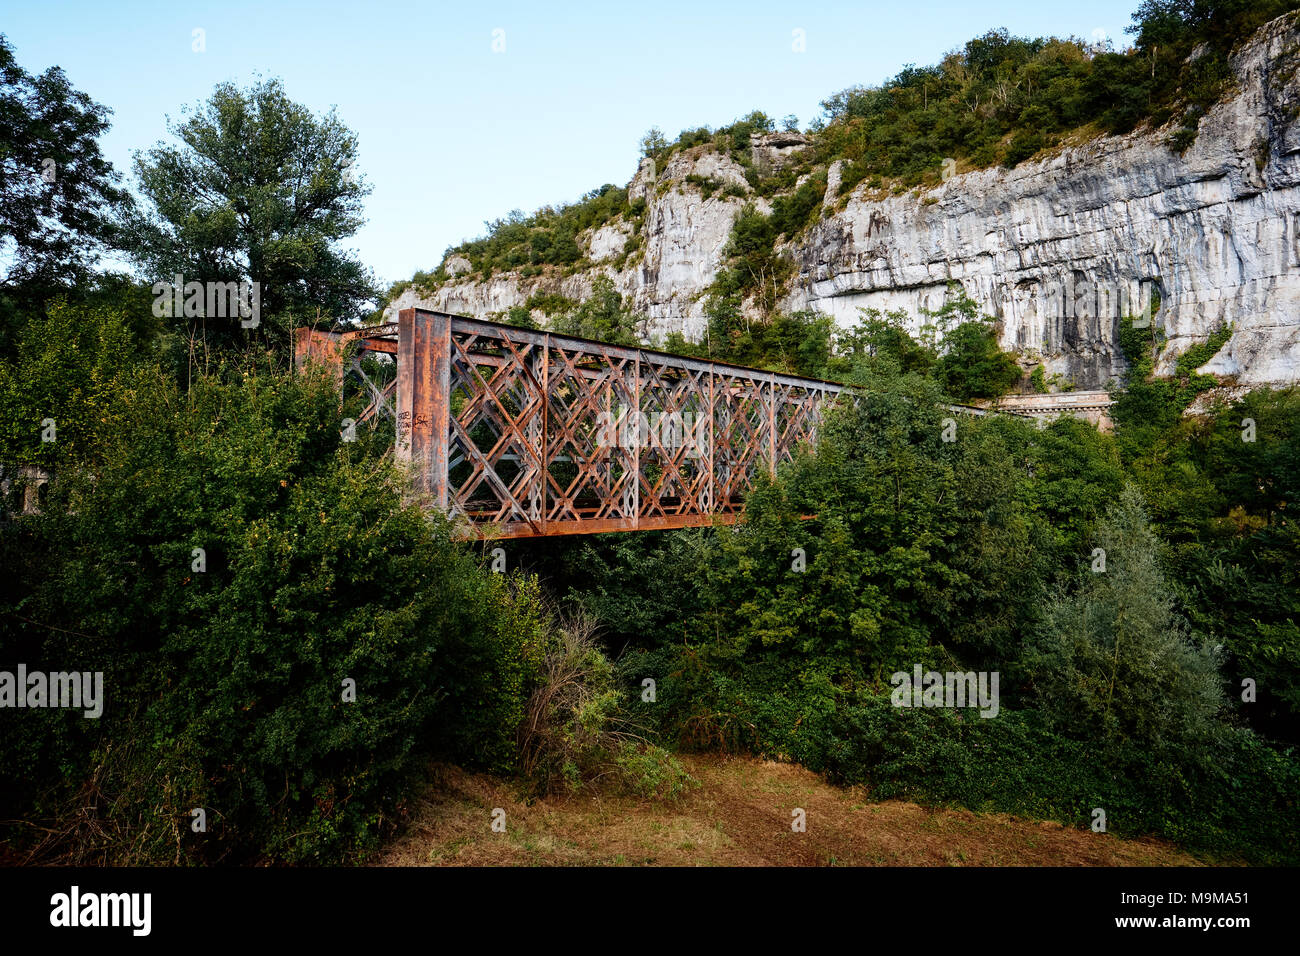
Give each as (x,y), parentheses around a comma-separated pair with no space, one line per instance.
(524,433)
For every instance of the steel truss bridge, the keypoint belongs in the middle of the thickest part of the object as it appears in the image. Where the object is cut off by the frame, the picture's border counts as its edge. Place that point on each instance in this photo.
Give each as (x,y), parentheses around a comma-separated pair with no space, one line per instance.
(525,433)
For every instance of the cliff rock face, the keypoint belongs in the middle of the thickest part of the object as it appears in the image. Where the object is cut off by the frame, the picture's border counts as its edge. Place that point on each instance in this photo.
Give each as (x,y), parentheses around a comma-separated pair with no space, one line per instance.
(1057,249)
(684,236)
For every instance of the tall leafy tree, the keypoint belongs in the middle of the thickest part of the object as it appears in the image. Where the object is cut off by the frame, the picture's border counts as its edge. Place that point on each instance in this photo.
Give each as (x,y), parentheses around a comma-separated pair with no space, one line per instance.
(261,189)
(58,193)
(1114,658)
(971,364)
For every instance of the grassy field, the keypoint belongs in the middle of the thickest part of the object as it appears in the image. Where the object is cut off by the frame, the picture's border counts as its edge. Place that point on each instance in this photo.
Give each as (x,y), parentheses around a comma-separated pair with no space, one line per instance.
(738,815)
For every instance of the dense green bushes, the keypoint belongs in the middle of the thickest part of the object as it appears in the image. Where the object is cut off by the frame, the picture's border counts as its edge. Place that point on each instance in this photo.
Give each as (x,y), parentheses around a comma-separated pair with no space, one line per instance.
(66,367)
(1219,485)
(1002,98)
(1231,795)
(893,547)
(601,316)
(576,734)
(237,572)
(547,237)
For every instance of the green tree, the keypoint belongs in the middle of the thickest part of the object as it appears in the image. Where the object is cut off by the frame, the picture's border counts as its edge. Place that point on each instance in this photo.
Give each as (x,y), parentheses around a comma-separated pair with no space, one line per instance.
(973,365)
(880,343)
(59,196)
(653,142)
(602,316)
(258,189)
(1114,659)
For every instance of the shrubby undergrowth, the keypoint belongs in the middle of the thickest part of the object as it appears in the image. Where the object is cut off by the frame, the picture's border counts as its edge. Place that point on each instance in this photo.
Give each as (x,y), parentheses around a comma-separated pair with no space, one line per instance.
(1121,684)
(284,640)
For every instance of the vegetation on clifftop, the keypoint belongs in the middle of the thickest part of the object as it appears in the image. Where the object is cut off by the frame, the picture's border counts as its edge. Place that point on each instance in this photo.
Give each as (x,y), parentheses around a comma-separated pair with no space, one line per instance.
(999,99)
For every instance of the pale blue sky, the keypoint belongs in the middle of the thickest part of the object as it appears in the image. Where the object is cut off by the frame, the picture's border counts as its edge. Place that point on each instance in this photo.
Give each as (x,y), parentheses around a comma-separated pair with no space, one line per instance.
(453,133)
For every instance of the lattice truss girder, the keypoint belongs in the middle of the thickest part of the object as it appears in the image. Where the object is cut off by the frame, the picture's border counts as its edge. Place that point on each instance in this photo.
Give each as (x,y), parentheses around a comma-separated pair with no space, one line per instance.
(524,433)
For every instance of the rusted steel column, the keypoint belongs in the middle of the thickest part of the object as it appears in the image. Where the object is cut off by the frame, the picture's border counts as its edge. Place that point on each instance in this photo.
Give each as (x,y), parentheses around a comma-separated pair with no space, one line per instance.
(320,347)
(405,399)
(713,474)
(301,348)
(436,330)
(424,399)
(636,442)
(771,424)
(545,476)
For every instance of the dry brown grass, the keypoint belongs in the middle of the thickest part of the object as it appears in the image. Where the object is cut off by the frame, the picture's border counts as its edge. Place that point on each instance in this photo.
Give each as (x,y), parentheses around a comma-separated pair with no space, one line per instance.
(739,816)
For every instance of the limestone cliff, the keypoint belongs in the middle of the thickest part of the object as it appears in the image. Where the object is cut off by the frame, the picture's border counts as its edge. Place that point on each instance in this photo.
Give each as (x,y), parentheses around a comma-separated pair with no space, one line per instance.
(1057,248)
